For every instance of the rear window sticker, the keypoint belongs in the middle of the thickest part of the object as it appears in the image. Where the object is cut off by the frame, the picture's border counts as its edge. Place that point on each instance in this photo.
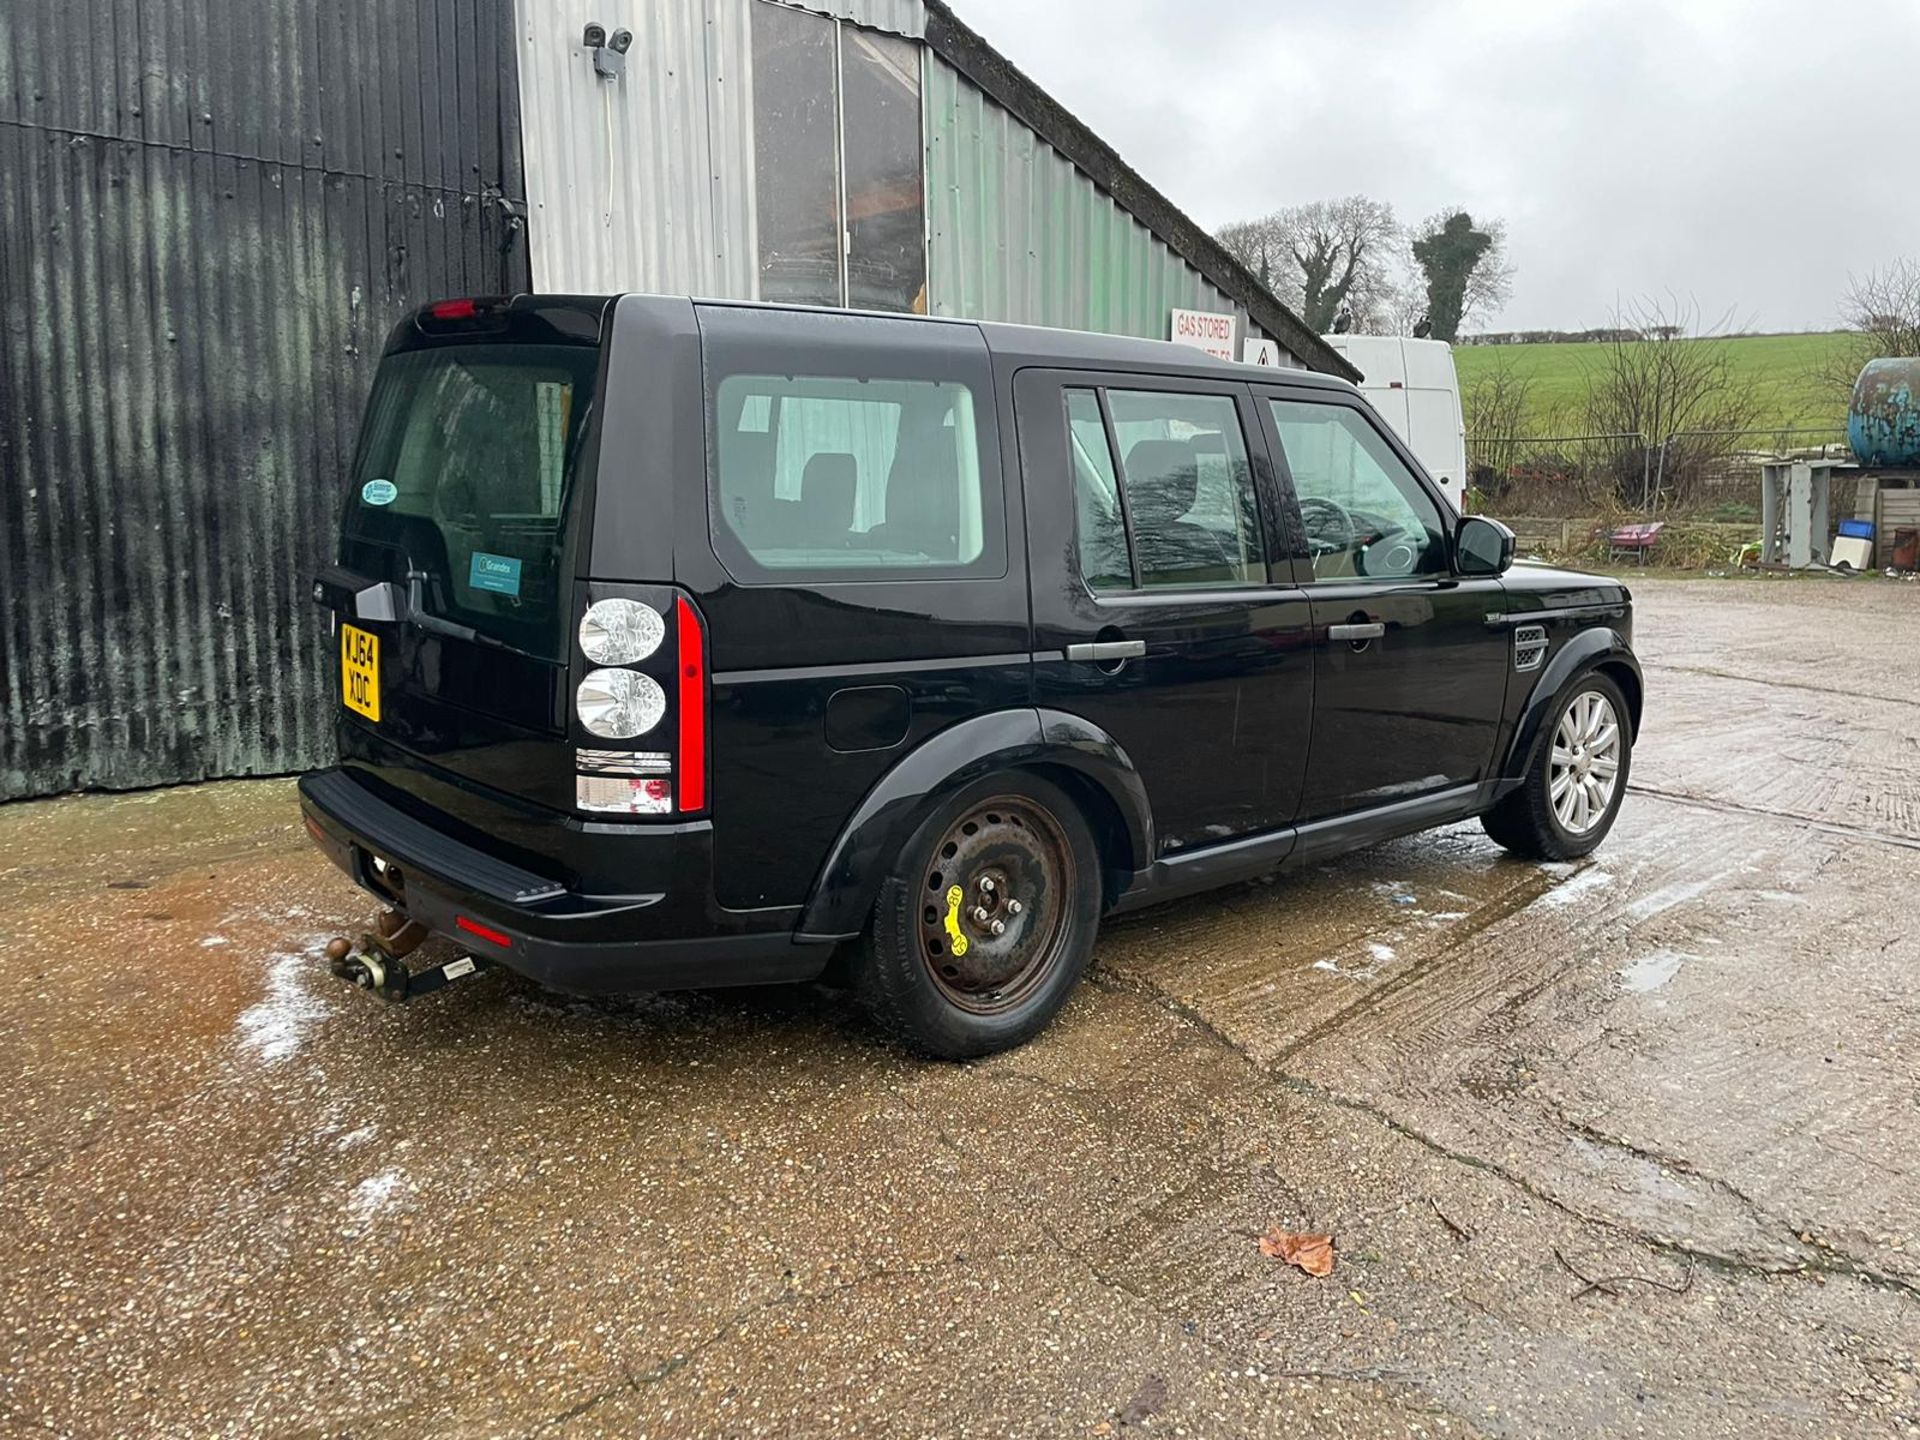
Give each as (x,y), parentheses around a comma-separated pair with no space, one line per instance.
(498,573)
(379,492)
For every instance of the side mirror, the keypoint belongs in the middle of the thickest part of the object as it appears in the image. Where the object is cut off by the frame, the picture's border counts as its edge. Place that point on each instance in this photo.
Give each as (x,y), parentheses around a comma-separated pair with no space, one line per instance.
(1482,546)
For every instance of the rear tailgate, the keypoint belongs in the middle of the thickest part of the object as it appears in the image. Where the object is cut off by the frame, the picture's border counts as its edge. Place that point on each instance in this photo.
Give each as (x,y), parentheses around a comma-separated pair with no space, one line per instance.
(474,463)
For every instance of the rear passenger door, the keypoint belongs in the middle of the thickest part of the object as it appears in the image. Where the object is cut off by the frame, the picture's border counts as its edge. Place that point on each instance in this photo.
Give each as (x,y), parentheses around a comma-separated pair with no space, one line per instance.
(1158,613)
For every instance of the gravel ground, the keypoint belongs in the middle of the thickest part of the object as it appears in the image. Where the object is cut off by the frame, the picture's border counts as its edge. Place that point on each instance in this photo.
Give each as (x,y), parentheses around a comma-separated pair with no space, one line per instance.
(239,1199)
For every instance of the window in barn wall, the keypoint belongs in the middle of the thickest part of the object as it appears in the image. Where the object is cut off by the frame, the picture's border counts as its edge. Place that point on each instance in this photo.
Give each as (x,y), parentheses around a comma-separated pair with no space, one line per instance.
(839,163)
(886,214)
(796,125)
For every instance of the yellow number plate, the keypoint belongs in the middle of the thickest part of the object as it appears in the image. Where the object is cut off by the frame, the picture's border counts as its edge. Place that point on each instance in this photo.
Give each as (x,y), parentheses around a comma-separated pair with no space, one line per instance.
(360,671)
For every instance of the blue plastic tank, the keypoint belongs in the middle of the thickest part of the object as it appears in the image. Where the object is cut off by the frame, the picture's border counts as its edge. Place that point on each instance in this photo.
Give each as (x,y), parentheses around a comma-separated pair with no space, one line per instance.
(1883,422)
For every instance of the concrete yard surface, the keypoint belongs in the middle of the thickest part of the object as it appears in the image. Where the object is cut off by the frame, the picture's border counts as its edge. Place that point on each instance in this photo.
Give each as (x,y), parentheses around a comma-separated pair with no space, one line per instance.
(239,1199)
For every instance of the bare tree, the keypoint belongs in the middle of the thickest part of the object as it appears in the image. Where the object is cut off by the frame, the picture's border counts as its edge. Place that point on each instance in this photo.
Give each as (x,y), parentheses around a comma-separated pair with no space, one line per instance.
(1497,408)
(1676,387)
(1257,244)
(1323,256)
(1881,310)
(1465,269)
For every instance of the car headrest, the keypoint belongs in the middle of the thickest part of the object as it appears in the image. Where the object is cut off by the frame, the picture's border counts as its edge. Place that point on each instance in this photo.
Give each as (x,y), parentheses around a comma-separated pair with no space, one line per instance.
(827,490)
(922,490)
(1165,475)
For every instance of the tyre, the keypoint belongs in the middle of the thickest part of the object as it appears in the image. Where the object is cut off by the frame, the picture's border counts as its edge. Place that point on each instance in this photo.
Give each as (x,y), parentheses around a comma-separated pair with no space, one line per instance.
(1576,777)
(986,921)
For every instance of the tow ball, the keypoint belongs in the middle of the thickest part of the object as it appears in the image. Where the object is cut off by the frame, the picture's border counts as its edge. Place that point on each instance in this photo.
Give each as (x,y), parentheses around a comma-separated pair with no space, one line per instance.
(378,964)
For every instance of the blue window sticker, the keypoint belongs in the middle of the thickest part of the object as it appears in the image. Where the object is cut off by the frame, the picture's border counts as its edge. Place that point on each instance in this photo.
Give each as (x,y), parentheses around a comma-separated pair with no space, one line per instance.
(498,573)
(379,492)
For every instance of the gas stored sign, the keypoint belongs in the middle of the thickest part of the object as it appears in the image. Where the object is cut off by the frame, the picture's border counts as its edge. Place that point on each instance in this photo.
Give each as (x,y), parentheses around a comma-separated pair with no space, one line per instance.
(1203,330)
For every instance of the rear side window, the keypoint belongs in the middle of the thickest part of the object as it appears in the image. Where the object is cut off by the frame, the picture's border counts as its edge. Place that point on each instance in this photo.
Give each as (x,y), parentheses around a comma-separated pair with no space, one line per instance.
(464,479)
(831,476)
(1184,512)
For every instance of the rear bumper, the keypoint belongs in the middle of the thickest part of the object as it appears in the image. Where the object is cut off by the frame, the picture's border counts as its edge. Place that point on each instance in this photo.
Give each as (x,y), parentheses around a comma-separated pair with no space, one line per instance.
(669,937)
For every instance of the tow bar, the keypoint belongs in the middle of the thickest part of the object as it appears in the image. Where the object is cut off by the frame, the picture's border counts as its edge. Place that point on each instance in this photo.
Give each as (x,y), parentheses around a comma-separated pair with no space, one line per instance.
(379,964)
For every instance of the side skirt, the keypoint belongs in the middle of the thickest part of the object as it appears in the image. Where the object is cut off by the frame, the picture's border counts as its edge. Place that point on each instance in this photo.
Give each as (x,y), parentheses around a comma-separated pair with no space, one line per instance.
(1194,871)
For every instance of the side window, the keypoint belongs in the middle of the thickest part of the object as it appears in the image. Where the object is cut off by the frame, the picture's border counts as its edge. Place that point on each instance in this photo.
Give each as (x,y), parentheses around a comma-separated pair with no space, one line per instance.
(1189,489)
(1096,497)
(829,473)
(1365,514)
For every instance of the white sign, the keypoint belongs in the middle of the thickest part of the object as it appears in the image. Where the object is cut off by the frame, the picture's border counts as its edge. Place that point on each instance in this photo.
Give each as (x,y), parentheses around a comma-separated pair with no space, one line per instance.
(1261,352)
(1204,330)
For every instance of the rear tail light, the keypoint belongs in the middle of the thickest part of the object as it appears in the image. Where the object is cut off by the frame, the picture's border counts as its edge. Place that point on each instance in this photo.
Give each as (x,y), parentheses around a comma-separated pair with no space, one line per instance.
(692,698)
(467,314)
(622,701)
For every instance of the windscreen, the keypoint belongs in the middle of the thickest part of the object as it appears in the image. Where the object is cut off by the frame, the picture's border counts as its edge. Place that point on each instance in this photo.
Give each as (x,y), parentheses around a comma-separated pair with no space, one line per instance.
(460,492)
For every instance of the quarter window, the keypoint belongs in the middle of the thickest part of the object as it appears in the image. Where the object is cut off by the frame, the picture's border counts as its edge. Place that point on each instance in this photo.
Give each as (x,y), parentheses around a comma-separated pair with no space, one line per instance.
(1101,524)
(1185,497)
(831,474)
(1366,515)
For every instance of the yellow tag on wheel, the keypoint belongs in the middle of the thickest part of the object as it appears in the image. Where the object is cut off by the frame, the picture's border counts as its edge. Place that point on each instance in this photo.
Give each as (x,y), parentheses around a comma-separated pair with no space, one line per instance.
(954,933)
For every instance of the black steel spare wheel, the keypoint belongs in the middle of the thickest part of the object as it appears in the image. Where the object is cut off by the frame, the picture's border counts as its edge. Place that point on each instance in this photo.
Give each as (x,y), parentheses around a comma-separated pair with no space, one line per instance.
(995,921)
(986,920)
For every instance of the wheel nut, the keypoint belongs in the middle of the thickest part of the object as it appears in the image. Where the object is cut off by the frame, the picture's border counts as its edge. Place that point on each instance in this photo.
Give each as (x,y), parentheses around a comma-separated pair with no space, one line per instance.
(986,884)
(980,914)
(1014,907)
(999,927)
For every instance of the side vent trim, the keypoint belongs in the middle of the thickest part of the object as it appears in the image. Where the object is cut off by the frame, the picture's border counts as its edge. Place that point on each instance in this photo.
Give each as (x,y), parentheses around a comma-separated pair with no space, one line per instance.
(1529,647)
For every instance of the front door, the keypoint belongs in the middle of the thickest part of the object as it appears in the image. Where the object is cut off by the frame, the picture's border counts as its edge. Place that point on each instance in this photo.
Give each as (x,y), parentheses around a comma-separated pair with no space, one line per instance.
(1163,610)
(1409,681)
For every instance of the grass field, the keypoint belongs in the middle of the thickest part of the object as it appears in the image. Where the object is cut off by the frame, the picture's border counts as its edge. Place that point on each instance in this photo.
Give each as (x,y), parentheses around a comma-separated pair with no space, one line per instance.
(1784,368)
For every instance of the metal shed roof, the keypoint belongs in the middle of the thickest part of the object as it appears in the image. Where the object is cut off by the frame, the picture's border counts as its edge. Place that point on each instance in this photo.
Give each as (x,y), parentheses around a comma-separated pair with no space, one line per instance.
(963,48)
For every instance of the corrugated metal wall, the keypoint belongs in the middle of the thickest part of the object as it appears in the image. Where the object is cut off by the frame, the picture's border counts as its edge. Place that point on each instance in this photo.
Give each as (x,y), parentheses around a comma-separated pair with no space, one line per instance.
(211,211)
(647,182)
(1016,232)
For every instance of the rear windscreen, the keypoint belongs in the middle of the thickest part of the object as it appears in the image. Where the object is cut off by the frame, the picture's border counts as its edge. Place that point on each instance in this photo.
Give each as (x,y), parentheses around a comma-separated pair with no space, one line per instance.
(466,467)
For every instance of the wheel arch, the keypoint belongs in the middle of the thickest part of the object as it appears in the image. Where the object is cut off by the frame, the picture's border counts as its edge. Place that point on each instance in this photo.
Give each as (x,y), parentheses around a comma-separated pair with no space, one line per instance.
(1601,649)
(1072,752)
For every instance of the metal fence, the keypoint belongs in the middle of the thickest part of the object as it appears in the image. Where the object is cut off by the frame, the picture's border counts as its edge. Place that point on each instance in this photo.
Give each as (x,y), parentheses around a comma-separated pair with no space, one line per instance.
(1685,472)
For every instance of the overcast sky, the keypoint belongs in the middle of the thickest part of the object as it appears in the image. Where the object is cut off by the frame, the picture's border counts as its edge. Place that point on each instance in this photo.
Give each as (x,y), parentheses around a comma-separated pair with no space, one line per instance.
(1745,153)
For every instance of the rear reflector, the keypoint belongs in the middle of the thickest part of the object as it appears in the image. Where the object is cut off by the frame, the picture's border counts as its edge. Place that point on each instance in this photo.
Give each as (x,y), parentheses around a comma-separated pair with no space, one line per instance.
(691,704)
(485,932)
(453,310)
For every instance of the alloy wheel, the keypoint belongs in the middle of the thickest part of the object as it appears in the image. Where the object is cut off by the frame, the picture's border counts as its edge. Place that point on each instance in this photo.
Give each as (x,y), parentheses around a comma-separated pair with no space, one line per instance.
(1585,764)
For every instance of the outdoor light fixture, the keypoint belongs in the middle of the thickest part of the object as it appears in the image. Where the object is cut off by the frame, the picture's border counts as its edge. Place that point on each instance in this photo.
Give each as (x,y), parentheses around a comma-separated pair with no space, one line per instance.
(620,632)
(609,51)
(620,704)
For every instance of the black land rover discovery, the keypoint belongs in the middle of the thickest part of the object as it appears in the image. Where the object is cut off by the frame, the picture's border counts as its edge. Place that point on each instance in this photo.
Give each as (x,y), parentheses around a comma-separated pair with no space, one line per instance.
(681,644)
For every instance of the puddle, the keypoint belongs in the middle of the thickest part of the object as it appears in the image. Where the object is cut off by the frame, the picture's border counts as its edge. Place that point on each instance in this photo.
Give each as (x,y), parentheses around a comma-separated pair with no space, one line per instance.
(1583,882)
(1652,971)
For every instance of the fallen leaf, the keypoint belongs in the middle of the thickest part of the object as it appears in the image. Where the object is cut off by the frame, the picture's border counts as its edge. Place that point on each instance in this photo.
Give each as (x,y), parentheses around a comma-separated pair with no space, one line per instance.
(1105,1427)
(1312,1253)
(1151,1399)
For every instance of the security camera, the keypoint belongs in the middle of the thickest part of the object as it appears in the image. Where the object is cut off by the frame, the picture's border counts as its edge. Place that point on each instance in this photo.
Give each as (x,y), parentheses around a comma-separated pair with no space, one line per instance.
(595,36)
(609,56)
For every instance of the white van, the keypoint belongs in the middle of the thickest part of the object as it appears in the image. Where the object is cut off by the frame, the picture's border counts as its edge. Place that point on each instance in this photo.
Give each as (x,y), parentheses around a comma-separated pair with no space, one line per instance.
(1412,384)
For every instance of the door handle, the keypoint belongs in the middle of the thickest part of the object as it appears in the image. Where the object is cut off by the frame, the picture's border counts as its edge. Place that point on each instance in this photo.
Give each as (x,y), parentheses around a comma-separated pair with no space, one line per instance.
(1104,650)
(1372,631)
